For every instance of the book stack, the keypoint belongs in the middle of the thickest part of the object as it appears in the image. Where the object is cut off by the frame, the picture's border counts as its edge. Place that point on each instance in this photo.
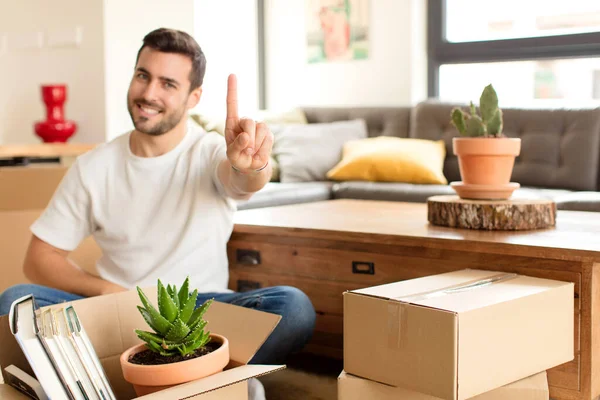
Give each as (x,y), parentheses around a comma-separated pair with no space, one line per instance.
(59,351)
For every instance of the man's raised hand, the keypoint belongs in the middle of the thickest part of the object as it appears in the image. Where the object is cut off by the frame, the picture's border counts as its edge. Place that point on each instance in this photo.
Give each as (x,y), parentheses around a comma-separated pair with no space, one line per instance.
(249,143)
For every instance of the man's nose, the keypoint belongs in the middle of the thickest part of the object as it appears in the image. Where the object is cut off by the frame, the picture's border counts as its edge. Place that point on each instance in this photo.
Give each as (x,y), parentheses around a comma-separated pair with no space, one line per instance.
(150,91)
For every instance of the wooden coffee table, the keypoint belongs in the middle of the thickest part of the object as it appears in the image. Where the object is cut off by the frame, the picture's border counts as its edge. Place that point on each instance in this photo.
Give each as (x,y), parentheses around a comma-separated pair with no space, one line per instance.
(326,248)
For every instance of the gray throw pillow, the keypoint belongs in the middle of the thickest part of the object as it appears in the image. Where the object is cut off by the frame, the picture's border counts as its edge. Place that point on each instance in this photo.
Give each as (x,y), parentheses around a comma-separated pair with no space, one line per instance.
(305,152)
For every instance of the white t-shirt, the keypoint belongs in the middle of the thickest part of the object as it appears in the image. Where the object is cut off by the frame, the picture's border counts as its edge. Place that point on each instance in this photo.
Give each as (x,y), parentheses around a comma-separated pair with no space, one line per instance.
(161,217)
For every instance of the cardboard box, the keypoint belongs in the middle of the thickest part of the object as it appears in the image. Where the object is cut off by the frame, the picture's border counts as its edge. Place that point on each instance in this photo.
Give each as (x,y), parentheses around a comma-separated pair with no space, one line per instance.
(351,387)
(110,322)
(459,334)
(24,193)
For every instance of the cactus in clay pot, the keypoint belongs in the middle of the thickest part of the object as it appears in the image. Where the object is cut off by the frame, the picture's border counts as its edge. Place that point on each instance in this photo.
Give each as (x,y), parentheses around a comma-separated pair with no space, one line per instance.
(488,124)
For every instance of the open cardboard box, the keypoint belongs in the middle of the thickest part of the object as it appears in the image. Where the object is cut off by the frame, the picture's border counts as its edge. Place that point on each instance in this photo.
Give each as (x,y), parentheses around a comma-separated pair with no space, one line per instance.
(351,387)
(109,322)
(459,334)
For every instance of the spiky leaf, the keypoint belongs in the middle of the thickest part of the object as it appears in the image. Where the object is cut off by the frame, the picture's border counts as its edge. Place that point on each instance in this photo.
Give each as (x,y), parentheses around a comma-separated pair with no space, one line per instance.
(166,305)
(178,332)
(149,336)
(147,318)
(188,307)
(475,127)
(175,297)
(458,120)
(494,126)
(488,103)
(199,313)
(184,292)
(159,323)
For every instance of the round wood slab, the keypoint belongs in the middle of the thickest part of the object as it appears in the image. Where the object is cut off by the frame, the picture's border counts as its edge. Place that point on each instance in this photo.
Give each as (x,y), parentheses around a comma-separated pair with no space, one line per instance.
(502,215)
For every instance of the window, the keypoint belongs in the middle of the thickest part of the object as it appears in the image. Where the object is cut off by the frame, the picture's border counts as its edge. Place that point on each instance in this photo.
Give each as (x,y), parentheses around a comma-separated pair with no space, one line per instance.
(547,53)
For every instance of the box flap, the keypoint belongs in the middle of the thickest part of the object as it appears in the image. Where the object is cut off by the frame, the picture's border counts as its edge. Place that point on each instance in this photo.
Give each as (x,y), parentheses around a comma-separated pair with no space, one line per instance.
(213,382)
(463,290)
(9,393)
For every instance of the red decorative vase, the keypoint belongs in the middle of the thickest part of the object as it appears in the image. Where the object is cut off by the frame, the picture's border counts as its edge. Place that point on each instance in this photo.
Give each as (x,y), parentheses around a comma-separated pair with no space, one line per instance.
(55,128)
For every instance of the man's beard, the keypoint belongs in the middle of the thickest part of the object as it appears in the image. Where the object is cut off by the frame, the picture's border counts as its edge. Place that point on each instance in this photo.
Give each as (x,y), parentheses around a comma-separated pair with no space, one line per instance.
(168,122)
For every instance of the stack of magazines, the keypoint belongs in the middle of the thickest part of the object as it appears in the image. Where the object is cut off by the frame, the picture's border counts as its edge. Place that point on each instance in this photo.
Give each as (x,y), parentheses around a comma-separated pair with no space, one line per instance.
(59,351)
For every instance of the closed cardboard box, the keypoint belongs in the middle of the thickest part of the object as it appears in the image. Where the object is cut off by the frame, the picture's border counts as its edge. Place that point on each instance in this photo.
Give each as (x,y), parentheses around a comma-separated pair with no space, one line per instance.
(459,334)
(351,387)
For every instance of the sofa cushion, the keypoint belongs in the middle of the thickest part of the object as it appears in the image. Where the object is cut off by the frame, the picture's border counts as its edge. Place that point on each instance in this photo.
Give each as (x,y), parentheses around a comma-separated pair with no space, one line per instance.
(392,159)
(278,194)
(306,152)
(415,193)
(579,201)
(388,191)
(381,121)
(559,148)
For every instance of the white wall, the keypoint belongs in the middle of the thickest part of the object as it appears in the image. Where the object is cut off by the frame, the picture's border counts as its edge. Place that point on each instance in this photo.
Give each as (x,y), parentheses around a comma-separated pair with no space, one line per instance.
(23,67)
(227,33)
(394,74)
(125,25)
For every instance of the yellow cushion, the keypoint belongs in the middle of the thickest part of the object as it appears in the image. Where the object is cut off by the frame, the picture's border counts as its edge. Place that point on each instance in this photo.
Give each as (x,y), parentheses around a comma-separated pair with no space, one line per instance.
(216,123)
(391,159)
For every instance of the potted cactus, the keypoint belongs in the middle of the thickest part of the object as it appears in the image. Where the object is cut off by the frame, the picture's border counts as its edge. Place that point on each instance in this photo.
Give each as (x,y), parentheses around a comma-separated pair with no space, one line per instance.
(177,350)
(486,156)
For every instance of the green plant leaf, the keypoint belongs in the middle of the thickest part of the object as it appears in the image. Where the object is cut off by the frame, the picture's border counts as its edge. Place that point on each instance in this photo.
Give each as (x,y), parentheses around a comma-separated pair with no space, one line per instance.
(188,307)
(159,323)
(175,297)
(178,332)
(184,292)
(166,305)
(458,120)
(494,126)
(147,318)
(149,336)
(475,127)
(199,313)
(473,110)
(488,103)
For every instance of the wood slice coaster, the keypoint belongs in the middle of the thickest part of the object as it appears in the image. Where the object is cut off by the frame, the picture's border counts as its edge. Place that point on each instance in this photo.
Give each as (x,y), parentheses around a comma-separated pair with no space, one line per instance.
(504,215)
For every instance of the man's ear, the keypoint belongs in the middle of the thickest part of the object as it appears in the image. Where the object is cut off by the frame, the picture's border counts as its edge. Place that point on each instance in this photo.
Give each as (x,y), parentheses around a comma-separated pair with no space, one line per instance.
(194,98)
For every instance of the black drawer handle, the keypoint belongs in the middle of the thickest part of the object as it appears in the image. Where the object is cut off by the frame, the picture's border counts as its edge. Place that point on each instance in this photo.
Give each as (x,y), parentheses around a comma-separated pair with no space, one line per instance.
(363,267)
(247,257)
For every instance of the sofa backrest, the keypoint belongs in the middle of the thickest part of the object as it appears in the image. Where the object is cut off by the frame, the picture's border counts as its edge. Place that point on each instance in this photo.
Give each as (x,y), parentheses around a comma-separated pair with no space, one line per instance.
(560,148)
(381,121)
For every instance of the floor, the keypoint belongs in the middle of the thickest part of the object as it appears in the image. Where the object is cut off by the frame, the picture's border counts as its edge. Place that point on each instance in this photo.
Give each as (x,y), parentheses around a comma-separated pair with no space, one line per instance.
(306,377)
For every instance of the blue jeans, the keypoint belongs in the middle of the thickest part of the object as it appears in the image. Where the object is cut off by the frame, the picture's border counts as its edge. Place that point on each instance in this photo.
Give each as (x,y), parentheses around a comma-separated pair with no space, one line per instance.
(290,335)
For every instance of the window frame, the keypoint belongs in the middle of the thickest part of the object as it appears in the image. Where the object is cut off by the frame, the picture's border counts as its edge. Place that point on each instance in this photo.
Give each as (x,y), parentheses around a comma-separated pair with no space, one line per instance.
(440,51)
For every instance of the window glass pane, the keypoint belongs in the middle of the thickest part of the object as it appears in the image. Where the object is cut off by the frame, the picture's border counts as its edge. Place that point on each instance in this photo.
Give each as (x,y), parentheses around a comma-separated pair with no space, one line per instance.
(567,82)
(476,20)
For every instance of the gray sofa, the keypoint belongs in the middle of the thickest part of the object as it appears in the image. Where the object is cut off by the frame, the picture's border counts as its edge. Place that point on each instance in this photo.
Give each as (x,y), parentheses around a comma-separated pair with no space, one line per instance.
(560,156)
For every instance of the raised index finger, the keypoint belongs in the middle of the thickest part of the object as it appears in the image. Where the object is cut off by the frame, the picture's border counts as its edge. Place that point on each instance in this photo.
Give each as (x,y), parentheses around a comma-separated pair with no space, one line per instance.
(232,101)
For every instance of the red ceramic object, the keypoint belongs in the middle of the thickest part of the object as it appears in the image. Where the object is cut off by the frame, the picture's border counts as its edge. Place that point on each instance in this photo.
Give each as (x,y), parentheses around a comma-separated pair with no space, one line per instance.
(55,128)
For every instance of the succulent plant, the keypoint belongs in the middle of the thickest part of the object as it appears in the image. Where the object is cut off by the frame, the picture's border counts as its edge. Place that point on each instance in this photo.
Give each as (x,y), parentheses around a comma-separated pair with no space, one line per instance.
(177,324)
(489,124)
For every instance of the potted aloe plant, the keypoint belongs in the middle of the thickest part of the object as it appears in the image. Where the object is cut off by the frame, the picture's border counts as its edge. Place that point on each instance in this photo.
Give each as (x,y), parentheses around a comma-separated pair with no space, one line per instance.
(177,350)
(486,156)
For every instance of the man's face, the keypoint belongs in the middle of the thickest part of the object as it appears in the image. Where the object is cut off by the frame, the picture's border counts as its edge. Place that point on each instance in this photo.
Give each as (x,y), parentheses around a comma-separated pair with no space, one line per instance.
(159,94)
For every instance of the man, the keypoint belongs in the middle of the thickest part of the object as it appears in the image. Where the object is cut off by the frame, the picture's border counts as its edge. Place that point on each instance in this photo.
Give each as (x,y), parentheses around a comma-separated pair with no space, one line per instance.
(159,200)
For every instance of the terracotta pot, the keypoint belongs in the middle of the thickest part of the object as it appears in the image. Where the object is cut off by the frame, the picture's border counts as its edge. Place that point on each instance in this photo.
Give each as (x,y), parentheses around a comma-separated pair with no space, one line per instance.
(486,164)
(152,378)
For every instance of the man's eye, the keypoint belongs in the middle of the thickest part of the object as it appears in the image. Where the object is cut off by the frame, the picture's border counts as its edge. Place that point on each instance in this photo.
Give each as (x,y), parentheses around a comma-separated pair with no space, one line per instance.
(142,76)
(170,85)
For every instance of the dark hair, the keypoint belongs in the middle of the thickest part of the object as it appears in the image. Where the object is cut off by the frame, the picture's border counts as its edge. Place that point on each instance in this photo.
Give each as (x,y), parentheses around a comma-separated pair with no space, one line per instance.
(174,41)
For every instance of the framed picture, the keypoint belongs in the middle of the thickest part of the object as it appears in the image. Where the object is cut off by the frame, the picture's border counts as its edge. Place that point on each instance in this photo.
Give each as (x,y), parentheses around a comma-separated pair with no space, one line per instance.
(337,30)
